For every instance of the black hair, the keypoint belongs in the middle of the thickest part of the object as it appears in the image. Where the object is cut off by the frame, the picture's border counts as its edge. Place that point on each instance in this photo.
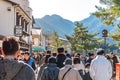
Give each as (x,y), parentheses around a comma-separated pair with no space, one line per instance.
(48,52)
(100,52)
(87,65)
(66,51)
(51,60)
(10,46)
(54,54)
(60,49)
(76,60)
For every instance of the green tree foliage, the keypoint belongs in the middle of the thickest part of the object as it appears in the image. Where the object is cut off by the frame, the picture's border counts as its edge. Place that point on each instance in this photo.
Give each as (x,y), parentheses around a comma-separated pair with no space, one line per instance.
(56,42)
(110,14)
(81,40)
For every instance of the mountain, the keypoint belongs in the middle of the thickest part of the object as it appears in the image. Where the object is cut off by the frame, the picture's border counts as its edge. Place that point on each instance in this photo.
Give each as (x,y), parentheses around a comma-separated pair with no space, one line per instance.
(62,26)
(52,23)
(95,25)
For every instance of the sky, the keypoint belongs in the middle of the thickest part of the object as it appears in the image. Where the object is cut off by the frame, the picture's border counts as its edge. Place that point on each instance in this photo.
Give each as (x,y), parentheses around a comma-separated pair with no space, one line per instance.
(74,10)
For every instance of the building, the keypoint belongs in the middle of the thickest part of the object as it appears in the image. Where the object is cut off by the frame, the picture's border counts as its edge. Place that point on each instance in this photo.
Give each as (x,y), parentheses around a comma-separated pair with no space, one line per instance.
(16,20)
(36,37)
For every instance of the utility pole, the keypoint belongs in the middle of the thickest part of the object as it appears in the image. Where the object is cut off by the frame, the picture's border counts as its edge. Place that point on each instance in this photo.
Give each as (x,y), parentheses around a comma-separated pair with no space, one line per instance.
(105,34)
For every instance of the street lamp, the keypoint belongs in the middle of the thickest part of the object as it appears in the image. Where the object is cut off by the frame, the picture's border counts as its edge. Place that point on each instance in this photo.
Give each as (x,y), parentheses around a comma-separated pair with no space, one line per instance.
(105,34)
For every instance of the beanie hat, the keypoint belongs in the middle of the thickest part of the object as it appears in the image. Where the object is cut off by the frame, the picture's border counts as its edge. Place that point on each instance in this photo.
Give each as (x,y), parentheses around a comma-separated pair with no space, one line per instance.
(52,60)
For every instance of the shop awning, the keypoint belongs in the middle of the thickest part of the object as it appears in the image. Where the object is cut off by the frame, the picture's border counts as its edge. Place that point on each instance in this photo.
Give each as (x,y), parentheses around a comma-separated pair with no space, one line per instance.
(38,48)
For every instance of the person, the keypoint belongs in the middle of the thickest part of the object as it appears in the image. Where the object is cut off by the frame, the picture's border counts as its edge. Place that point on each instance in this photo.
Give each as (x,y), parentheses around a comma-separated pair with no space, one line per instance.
(51,71)
(114,60)
(36,57)
(87,72)
(79,66)
(49,52)
(54,54)
(91,57)
(60,57)
(100,68)
(44,64)
(11,69)
(69,73)
(68,55)
(29,60)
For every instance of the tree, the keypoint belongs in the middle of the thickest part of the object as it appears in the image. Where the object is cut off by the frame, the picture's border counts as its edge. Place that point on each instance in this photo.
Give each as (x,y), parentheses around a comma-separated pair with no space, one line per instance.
(56,42)
(81,40)
(110,14)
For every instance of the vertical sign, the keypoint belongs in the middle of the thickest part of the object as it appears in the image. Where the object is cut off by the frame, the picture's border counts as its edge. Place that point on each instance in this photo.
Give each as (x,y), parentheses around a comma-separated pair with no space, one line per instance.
(18,31)
(118,71)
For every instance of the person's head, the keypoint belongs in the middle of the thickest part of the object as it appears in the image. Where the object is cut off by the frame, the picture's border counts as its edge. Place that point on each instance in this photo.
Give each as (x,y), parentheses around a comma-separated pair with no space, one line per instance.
(76,60)
(68,61)
(77,55)
(35,54)
(66,51)
(48,52)
(10,46)
(60,50)
(22,54)
(68,55)
(91,55)
(52,60)
(87,65)
(19,57)
(46,58)
(112,54)
(54,54)
(26,55)
(100,52)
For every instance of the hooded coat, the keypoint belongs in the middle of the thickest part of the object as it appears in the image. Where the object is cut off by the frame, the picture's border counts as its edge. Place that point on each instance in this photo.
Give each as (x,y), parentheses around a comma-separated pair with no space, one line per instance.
(13,70)
(73,74)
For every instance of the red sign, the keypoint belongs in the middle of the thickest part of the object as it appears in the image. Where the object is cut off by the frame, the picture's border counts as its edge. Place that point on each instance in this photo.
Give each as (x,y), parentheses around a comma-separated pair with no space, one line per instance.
(118,71)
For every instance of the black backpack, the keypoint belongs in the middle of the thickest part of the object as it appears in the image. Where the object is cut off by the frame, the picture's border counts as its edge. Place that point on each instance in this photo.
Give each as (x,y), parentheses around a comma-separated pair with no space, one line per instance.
(81,73)
(51,74)
(87,76)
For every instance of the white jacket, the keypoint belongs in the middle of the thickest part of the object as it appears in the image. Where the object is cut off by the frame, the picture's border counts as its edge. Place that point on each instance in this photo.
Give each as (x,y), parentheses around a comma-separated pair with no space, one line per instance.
(100,68)
(73,74)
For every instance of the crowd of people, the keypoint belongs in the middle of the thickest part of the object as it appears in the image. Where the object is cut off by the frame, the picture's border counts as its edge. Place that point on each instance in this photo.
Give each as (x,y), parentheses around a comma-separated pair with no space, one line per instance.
(55,66)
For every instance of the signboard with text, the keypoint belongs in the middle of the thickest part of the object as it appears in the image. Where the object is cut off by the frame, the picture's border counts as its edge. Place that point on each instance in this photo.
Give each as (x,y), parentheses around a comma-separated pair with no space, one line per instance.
(18,31)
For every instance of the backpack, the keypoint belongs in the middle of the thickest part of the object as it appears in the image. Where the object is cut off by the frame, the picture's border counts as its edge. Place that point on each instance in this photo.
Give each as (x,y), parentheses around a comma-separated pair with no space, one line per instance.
(87,76)
(51,74)
(81,73)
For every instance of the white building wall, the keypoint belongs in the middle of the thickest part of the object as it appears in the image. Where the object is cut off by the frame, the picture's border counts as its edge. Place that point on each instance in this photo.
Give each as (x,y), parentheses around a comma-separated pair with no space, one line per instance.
(6,19)
(25,5)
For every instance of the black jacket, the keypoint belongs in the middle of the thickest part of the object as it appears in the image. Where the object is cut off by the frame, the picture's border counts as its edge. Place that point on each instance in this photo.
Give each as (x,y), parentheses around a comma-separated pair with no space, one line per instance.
(60,60)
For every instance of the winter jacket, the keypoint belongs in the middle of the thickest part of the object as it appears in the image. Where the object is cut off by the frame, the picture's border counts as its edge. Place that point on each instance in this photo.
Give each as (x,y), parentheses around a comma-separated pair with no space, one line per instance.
(80,68)
(30,62)
(73,74)
(89,60)
(13,70)
(41,70)
(60,60)
(100,68)
(50,72)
